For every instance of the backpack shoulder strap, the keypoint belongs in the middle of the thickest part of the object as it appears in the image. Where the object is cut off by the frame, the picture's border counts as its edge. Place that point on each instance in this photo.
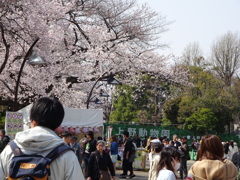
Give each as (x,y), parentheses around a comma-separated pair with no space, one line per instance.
(58,151)
(15,149)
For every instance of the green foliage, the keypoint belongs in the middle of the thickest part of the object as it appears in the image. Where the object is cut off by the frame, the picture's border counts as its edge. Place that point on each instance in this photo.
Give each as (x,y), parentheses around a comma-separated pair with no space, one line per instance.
(203,104)
(203,120)
(206,104)
(171,109)
(125,110)
(141,103)
(2,120)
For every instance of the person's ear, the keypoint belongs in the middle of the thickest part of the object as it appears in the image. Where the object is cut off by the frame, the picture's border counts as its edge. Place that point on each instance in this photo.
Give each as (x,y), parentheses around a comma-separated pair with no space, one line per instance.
(33,123)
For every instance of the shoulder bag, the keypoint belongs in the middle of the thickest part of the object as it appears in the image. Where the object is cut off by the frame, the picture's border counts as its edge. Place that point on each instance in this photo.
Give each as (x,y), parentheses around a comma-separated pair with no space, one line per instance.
(103,175)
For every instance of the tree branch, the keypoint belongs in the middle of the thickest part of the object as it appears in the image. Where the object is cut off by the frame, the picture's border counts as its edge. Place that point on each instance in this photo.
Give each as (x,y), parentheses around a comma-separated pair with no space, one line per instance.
(7,46)
(20,72)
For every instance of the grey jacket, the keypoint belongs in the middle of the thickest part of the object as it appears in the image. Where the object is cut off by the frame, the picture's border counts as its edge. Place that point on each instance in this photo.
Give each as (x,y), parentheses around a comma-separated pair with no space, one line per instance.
(40,140)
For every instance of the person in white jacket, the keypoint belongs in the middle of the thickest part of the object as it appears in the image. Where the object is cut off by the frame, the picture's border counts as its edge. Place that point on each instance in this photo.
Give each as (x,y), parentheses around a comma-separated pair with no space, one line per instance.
(155,149)
(46,115)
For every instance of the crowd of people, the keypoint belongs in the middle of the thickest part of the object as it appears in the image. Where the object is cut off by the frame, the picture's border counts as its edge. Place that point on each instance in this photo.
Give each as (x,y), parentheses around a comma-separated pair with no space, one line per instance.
(92,158)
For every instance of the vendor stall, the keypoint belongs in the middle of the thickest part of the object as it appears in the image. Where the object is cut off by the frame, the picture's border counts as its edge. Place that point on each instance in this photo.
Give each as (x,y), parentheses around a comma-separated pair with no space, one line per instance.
(76,121)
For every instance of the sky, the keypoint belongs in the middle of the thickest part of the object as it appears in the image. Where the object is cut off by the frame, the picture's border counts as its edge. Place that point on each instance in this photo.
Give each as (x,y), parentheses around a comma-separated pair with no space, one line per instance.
(201,21)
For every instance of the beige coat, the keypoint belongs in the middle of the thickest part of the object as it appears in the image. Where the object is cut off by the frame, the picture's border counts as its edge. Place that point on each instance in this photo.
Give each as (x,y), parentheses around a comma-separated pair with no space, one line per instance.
(213,170)
(152,175)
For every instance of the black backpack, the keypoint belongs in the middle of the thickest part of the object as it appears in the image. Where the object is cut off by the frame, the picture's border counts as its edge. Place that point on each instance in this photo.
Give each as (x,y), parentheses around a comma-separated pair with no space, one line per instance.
(31,167)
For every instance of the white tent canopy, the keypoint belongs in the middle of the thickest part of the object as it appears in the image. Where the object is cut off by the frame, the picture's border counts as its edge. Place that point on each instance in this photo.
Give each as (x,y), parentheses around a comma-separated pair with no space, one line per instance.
(83,117)
(73,117)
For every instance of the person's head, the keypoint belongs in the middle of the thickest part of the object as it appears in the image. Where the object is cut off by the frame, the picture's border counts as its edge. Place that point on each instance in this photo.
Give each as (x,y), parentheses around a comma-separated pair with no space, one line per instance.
(100,145)
(211,148)
(66,136)
(136,136)
(90,135)
(2,133)
(165,141)
(99,138)
(171,143)
(156,148)
(113,138)
(160,138)
(47,112)
(175,137)
(73,139)
(165,161)
(126,134)
(174,153)
(175,157)
(184,139)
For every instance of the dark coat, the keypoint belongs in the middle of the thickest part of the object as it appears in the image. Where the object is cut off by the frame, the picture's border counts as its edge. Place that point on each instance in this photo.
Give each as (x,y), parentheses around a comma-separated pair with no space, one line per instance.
(4,142)
(184,151)
(90,147)
(99,162)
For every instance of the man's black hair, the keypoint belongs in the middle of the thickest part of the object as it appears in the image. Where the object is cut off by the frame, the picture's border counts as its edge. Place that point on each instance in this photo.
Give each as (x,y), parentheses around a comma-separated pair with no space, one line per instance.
(66,134)
(126,133)
(99,138)
(3,131)
(157,147)
(90,133)
(74,138)
(47,112)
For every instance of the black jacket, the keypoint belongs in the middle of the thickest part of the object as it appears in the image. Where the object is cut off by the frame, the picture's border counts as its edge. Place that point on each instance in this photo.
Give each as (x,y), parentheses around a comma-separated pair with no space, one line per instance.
(102,162)
(184,151)
(90,146)
(4,142)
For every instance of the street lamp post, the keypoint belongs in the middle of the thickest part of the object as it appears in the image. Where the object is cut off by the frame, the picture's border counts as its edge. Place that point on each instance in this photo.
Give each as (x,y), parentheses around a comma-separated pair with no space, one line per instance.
(29,52)
(91,91)
(110,80)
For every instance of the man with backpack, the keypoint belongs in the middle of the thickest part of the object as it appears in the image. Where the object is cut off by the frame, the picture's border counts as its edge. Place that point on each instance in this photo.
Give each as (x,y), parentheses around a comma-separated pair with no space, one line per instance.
(38,141)
(127,157)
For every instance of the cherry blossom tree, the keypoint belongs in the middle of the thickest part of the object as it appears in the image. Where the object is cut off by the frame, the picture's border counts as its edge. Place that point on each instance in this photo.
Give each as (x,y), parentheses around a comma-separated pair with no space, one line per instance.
(81,41)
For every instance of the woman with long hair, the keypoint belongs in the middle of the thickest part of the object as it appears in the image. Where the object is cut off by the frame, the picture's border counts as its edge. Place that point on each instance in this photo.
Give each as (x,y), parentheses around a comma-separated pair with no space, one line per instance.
(210,164)
(168,164)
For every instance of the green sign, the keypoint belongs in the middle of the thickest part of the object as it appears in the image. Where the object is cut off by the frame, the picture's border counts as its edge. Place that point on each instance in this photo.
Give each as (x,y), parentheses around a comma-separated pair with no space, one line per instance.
(160,131)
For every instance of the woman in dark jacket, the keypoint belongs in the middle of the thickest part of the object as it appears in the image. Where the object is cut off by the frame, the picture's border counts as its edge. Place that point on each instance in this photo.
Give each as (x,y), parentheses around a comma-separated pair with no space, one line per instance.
(100,161)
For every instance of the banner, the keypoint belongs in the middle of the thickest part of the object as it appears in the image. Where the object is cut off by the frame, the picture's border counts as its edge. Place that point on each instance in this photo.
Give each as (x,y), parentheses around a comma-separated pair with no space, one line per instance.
(161,131)
(13,123)
(149,130)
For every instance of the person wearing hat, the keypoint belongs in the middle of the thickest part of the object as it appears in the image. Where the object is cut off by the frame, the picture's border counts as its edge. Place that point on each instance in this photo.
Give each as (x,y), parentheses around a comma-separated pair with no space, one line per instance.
(151,154)
(155,150)
(76,147)
(66,136)
(184,157)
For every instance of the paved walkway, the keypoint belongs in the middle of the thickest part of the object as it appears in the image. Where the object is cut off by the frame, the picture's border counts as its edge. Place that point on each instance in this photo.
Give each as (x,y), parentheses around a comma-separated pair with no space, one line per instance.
(140,175)
(143,175)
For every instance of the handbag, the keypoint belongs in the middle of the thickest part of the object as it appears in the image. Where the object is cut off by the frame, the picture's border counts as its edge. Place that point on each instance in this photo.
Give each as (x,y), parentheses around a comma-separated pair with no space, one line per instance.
(103,175)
